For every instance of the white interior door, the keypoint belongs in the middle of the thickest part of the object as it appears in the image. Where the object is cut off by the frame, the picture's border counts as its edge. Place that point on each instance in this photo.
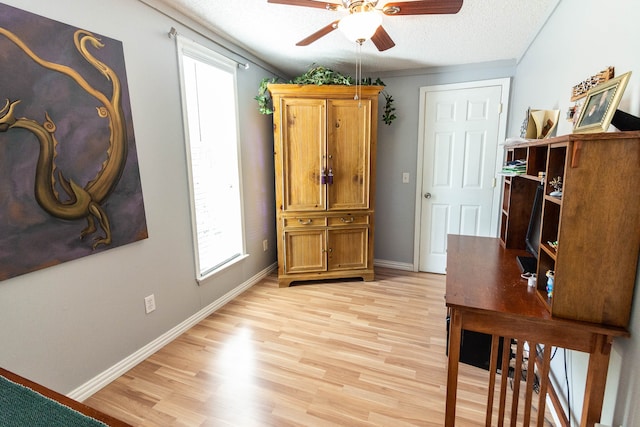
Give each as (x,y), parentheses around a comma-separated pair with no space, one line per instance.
(460,129)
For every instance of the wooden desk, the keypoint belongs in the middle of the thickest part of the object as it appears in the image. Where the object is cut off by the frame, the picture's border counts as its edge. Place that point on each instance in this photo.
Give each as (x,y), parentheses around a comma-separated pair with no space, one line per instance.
(485,293)
(64,400)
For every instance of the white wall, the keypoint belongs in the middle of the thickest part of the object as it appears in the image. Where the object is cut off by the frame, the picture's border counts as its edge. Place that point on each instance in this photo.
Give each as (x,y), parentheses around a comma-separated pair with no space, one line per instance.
(581,38)
(63,325)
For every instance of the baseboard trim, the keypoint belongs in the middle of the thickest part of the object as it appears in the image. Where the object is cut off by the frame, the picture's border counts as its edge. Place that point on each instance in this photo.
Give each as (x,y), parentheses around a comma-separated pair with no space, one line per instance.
(393,264)
(106,377)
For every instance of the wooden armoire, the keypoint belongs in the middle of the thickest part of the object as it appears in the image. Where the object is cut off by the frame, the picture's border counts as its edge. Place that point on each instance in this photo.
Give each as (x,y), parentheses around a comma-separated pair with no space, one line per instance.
(325,152)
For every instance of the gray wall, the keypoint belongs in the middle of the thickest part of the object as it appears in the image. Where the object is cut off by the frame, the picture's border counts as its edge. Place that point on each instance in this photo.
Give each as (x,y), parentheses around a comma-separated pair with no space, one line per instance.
(63,325)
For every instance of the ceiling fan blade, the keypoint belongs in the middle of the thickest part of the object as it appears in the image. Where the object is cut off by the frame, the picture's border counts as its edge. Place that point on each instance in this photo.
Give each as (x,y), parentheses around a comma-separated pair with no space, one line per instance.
(307,3)
(382,39)
(422,7)
(320,33)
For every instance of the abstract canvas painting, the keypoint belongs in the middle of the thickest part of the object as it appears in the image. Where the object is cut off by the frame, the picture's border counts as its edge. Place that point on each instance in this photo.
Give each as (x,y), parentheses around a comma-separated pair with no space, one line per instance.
(69,176)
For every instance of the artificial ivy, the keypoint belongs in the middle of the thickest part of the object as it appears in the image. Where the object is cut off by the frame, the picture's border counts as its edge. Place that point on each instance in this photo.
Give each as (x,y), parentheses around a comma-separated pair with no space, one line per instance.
(323,76)
(263,98)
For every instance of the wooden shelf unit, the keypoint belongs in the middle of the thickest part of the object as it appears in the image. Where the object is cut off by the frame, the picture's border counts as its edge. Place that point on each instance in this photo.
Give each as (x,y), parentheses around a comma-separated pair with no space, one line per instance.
(596,222)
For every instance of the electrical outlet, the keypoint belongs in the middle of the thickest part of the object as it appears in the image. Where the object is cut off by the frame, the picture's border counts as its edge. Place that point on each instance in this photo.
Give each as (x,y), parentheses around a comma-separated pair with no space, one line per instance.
(149,303)
(405,177)
(265,245)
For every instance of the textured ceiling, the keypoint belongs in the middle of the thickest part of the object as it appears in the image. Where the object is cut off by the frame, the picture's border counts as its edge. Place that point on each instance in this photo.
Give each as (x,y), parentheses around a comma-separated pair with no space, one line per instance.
(483,31)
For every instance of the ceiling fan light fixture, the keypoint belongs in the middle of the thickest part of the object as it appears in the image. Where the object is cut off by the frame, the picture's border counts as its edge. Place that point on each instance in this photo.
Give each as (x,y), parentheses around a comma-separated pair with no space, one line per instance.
(360,26)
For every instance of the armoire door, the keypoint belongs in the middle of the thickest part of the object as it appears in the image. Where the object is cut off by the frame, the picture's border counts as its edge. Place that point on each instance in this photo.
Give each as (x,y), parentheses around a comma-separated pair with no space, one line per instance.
(305,251)
(348,153)
(303,154)
(347,248)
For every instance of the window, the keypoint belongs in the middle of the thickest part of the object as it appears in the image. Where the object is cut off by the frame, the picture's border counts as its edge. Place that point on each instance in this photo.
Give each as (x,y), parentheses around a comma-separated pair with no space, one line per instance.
(210,121)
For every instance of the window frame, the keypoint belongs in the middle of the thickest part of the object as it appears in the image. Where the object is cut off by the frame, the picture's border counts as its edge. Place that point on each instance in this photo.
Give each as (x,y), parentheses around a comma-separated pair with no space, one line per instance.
(195,51)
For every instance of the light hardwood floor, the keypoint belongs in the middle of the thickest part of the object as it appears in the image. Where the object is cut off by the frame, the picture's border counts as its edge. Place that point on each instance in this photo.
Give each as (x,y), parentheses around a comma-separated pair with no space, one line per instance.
(316,354)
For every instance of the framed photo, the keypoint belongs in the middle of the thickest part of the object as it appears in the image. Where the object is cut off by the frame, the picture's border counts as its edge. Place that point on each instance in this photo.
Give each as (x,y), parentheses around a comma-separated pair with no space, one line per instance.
(600,105)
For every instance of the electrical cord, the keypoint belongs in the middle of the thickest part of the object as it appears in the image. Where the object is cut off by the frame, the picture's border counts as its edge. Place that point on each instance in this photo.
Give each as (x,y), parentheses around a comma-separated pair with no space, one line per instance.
(566,378)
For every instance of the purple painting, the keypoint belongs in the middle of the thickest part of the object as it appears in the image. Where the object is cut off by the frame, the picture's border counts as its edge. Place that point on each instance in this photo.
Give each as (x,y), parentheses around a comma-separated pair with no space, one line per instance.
(69,177)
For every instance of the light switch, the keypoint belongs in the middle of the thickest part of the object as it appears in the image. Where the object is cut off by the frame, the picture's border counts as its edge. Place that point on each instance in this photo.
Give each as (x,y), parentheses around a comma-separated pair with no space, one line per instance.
(405,177)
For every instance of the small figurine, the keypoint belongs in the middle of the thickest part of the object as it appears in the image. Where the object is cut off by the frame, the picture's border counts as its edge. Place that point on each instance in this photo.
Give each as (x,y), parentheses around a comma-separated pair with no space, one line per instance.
(550,277)
(556,183)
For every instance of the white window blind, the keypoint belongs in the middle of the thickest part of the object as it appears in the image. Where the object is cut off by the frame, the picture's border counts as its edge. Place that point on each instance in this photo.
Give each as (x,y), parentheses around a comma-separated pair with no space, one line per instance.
(209,107)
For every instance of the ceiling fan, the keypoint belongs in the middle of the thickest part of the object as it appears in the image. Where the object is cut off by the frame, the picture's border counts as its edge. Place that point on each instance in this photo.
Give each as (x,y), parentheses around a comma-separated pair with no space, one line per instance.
(360,10)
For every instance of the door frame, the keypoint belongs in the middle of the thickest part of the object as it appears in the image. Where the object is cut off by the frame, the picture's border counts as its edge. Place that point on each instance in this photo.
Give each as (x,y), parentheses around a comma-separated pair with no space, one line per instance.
(505,83)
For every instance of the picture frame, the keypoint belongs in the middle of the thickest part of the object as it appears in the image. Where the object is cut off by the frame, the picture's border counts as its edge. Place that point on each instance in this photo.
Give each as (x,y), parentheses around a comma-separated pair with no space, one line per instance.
(600,105)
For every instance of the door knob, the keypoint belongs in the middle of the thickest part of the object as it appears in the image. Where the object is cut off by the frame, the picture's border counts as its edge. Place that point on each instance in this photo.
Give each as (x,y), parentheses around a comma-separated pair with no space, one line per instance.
(427,195)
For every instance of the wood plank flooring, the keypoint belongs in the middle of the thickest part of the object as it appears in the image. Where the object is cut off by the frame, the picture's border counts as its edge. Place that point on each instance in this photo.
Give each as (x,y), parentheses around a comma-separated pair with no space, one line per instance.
(315,354)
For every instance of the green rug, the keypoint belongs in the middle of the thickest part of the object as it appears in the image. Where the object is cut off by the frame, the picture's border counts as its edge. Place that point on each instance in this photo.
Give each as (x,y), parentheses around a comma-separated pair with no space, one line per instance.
(21,407)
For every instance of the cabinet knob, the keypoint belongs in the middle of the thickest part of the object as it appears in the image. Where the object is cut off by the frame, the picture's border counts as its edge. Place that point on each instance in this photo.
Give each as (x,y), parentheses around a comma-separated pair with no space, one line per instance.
(427,195)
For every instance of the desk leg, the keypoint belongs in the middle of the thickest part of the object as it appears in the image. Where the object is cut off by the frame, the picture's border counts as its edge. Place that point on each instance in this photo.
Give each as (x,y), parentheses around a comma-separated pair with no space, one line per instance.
(596,380)
(455,335)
